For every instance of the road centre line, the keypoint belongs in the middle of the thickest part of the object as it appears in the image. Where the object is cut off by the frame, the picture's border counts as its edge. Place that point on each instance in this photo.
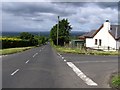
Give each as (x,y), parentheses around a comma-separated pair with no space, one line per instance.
(27,61)
(87,80)
(64,60)
(58,54)
(35,54)
(15,72)
(62,57)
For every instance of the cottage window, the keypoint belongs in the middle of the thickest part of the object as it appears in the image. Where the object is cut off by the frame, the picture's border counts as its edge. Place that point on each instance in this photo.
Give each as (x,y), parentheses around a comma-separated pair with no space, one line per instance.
(100,42)
(95,41)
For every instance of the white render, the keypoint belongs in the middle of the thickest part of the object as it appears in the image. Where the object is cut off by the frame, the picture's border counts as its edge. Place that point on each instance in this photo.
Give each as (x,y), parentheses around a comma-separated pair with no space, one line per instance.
(106,38)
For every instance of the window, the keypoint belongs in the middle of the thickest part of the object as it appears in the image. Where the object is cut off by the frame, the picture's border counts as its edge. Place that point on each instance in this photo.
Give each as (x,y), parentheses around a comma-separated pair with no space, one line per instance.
(95,41)
(100,42)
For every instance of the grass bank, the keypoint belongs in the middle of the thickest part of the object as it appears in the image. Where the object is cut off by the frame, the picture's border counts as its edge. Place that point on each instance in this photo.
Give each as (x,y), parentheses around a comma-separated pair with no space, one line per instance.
(115,81)
(83,51)
(13,50)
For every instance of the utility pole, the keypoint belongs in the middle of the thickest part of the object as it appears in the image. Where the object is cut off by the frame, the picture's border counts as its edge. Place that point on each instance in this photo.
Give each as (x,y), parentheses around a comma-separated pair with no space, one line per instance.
(116,36)
(57,30)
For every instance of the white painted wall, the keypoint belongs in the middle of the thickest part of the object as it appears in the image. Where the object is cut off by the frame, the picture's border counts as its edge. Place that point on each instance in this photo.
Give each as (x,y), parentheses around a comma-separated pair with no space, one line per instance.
(118,44)
(104,35)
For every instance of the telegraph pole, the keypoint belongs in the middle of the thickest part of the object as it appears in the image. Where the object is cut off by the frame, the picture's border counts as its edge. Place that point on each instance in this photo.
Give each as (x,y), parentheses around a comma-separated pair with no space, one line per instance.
(116,36)
(57,30)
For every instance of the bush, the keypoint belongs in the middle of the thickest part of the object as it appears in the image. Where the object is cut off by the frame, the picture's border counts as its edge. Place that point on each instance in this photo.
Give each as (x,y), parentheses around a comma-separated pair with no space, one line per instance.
(14,43)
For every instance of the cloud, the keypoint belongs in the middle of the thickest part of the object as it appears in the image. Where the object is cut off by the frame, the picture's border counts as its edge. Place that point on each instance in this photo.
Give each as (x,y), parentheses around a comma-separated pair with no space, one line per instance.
(36,9)
(43,15)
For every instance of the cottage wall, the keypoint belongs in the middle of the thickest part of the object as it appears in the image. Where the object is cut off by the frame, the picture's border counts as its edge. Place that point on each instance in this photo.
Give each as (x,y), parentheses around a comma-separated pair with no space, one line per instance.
(107,40)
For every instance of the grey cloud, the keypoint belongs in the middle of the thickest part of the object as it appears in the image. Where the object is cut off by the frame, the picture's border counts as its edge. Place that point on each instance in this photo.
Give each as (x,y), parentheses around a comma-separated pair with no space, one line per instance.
(108,4)
(42,16)
(29,9)
(84,0)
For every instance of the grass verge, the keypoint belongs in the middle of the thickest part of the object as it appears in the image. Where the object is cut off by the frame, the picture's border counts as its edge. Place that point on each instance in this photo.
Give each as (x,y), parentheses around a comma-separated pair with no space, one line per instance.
(115,81)
(83,51)
(13,50)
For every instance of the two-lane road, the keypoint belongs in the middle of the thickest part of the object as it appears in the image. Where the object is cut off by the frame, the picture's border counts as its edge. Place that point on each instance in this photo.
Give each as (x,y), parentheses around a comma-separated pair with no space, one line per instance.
(43,67)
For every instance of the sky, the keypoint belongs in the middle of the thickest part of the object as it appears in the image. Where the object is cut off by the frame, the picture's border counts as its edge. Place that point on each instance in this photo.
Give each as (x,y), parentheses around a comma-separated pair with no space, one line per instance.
(31,15)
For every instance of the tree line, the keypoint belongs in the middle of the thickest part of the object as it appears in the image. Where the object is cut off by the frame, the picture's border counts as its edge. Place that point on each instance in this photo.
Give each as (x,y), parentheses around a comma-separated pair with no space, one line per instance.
(23,40)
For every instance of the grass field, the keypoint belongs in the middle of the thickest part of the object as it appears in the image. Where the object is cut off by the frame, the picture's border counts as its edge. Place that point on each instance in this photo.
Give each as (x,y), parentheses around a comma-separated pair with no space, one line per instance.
(13,50)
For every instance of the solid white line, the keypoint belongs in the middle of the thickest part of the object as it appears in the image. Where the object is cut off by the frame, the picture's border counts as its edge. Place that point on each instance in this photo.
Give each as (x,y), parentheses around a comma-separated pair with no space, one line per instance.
(14,72)
(27,61)
(87,80)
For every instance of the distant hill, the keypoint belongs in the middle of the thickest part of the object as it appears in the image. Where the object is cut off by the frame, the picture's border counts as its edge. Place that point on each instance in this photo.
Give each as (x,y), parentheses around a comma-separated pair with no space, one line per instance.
(42,33)
(76,33)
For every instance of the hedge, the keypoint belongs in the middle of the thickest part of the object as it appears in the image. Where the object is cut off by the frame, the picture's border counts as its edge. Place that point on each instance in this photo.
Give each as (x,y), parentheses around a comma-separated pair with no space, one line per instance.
(14,43)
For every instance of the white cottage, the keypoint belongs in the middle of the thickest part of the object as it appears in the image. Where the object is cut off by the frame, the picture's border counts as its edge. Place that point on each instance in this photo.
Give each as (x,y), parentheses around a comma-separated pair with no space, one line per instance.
(107,37)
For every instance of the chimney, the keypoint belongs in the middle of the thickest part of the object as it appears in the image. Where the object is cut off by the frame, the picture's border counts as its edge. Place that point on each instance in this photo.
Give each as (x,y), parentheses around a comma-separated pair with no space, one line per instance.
(107,25)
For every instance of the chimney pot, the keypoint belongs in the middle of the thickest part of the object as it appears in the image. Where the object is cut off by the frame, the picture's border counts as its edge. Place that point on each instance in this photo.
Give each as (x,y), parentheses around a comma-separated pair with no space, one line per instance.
(107,20)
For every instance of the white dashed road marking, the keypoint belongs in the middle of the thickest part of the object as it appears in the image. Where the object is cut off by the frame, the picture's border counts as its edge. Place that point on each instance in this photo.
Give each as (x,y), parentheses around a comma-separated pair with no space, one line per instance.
(58,54)
(62,57)
(64,60)
(27,61)
(35,54)
(87,80)
(15,72)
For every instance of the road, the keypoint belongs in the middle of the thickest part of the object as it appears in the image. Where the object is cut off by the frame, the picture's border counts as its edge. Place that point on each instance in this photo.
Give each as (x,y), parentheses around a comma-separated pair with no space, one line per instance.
(43,67)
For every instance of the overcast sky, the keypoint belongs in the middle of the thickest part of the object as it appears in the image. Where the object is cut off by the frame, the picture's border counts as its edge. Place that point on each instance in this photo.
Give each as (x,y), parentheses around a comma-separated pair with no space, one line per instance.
(41,16)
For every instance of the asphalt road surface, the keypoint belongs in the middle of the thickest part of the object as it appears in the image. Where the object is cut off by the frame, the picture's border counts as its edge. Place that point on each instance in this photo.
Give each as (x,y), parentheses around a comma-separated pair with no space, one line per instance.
(43,67)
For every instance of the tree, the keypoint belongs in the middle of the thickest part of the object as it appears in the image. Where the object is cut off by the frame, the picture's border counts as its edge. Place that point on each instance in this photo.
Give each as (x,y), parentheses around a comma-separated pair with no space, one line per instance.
(26,36)
(63,35)
(29,37)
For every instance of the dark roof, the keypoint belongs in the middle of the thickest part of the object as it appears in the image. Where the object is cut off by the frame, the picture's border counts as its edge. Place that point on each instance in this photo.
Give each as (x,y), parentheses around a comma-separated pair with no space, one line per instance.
(113,30)
(89,34)
(92,33)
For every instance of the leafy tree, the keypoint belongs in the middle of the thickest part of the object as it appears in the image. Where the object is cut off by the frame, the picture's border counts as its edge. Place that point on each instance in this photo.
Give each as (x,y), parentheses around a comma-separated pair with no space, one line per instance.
(29,37)
(63,35)
(26,36)
(41,39)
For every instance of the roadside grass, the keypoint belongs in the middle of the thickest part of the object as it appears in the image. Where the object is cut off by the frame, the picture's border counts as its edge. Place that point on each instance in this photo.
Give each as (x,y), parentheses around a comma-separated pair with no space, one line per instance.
(13,50)
(83,51)
(115,81)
